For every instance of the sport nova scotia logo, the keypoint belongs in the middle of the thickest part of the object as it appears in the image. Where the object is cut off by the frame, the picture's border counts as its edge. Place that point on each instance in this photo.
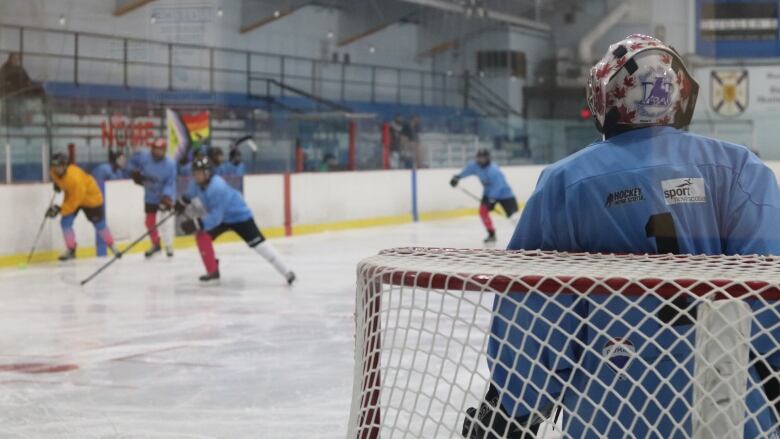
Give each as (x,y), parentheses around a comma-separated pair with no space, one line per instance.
(684,190)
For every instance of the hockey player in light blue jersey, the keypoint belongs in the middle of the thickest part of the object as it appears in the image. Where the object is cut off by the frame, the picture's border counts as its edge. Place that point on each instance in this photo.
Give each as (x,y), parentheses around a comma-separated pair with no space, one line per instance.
(495,189)
(114,169)
(235,164)
(157,174)
(648,187)
(225,210)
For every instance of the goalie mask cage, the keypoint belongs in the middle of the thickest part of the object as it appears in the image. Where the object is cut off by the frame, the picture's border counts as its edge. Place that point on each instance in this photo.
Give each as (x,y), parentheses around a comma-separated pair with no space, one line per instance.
(612,346)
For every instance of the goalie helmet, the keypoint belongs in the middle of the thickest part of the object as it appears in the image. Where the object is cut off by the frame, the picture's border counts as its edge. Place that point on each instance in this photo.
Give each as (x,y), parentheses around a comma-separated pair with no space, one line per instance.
(640,82)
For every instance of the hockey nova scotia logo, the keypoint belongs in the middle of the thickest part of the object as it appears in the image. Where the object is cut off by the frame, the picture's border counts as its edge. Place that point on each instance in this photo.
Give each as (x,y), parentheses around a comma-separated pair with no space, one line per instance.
(684,190)
(624,196)
(618,352)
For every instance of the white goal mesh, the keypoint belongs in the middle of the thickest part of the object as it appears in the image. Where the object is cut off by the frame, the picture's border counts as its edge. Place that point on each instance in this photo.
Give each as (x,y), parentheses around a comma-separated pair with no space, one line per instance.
(548,344)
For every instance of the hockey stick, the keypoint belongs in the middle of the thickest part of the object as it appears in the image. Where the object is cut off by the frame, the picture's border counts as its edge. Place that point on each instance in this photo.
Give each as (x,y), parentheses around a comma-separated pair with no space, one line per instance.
(249,140)
(132,244)
(478,199)
(40,230)
(470,194)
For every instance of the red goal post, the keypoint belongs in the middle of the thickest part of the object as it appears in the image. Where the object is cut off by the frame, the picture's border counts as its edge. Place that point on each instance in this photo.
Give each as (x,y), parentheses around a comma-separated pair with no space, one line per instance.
(423,318)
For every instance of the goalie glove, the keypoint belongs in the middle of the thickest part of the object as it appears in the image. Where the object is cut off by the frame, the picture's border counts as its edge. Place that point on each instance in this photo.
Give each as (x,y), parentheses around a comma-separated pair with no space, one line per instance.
(53,211)
(191,226)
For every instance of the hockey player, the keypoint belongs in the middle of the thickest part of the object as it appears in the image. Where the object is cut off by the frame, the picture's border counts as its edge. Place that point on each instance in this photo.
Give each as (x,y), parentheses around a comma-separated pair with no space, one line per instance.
(217,157)
(157,174)
(113,170)
(225,210)
(236,165)
(81,193)
(496,190)
(647,187)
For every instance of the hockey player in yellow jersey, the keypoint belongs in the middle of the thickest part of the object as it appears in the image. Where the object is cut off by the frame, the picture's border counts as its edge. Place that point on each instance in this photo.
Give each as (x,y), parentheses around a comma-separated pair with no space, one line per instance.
(81,193)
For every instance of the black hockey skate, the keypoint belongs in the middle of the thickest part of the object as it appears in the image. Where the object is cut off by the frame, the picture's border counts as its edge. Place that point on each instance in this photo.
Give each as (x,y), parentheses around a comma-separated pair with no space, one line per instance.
(68,254)
(491,238)
(492,422)
(290,278)
(169,252)
(152,251)
(210,277)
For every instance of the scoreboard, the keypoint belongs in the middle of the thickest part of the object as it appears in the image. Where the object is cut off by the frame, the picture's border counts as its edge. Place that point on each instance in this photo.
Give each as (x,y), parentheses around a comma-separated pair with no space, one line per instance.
(737,28)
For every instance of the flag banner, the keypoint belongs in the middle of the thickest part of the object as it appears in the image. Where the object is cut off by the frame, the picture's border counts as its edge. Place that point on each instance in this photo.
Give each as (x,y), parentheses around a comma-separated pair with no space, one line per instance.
(198,126)
(178,135)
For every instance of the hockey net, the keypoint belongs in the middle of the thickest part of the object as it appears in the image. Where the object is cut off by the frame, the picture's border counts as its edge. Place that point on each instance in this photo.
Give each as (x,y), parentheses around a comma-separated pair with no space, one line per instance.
(548,344)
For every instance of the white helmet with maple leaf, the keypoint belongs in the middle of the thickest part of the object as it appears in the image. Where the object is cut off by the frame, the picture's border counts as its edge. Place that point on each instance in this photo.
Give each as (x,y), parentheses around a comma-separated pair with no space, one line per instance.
(640,82)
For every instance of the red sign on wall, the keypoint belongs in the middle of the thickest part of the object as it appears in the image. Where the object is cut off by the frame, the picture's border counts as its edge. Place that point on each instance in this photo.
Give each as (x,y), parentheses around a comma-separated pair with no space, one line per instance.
(120,131)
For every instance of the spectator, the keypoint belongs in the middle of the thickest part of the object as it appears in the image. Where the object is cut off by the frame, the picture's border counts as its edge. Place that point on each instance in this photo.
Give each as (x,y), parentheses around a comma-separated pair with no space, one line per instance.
(396,128)
(413,134)
(328,164)
(15,87)
(14,79)
(407,148)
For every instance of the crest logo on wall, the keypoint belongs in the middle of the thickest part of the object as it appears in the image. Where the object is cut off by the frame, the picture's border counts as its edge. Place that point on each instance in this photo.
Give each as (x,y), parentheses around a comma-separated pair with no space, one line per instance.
(729,92)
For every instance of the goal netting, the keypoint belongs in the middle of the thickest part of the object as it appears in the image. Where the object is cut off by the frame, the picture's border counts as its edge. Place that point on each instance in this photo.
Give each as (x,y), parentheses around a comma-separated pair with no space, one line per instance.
(492,344)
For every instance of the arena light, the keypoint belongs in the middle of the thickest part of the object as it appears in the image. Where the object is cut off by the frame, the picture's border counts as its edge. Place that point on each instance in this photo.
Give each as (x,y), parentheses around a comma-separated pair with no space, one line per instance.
(219,12)
(585,113)
(330,35)
(277,14)
(372,49)
(153,19)
(62,20)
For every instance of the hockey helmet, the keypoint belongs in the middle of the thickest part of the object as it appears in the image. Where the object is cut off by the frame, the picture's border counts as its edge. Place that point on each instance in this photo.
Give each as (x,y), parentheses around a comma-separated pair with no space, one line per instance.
(59,159)
(202,164)
(483,157)
(159,143)
(640,82)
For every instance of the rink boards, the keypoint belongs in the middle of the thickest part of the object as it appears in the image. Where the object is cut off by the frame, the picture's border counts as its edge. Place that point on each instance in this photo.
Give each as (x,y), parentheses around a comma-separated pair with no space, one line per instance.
(291,204)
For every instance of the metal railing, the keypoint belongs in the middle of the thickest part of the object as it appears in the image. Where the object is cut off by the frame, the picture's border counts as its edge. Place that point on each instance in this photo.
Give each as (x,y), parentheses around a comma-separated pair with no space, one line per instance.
(86,57)
(81,58)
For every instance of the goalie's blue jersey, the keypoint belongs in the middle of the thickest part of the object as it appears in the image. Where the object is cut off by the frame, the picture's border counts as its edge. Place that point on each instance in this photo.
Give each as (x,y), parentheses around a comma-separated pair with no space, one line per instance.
(653,190)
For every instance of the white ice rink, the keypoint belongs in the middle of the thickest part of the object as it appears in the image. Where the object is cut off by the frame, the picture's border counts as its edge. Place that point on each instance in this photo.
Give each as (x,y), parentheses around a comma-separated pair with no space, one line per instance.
(144,351)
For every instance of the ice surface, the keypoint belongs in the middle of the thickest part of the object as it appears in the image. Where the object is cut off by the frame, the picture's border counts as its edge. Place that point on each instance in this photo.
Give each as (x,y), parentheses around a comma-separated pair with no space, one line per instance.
(145,351)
